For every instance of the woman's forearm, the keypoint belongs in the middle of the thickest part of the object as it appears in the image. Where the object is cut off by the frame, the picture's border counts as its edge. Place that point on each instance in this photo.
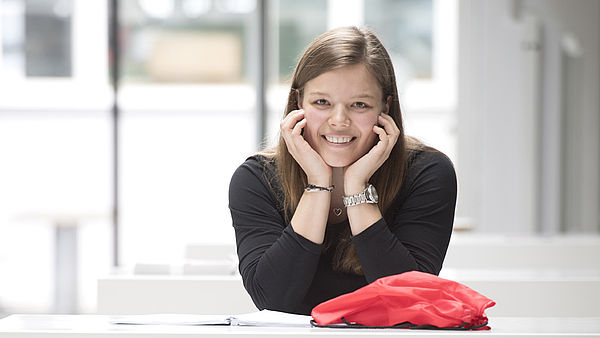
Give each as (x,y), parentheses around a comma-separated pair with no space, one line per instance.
(310,217)
(362,216)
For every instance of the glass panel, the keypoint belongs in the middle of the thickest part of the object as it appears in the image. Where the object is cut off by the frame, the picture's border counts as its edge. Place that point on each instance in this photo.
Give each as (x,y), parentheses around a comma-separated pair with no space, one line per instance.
(36,37)
(572,182)
(186,41)
(188,73)
(405,28)
(292,26)
(296,31)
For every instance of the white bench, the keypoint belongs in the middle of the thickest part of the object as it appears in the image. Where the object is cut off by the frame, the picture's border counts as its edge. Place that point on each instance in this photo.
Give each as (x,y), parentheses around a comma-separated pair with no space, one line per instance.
(534,293)
(549,293)
(144,294)
(526,276)
(479,251)
(482,251)
(210,251)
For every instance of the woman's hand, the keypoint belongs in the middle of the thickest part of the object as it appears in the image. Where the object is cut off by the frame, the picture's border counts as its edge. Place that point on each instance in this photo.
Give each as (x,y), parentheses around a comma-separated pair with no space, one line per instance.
(358,174)
(317,171)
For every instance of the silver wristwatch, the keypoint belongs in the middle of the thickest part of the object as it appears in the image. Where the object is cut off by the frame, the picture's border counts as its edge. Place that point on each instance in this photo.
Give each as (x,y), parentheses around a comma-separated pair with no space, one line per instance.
(369,195)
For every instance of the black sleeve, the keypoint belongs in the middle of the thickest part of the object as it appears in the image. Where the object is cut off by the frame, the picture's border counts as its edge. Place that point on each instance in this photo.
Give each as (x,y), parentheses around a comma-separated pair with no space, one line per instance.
(277,265)
(416,235)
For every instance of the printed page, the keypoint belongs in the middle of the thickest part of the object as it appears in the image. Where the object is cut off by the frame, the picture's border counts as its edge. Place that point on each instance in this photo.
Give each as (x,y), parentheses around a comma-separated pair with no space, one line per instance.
(271,318)
(171,319)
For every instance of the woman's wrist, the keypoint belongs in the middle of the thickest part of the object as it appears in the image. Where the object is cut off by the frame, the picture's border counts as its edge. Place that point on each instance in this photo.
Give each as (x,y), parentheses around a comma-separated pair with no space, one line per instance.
(321,181)
(314,188)
(354,187)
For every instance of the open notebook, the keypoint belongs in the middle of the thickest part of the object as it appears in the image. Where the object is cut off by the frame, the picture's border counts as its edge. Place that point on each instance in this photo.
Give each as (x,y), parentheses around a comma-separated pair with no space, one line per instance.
(260,318)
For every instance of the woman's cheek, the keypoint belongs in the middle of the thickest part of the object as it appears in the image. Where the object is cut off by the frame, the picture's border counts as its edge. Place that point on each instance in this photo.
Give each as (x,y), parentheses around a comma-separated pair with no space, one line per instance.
(367,122)
(368,129)
(311,128)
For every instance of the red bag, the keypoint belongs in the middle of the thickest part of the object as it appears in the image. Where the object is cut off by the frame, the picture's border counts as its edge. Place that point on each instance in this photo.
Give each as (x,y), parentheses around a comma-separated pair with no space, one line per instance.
(408,300)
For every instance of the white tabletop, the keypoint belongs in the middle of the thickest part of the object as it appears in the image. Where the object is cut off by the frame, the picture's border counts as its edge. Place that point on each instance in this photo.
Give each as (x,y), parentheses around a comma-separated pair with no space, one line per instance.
(87,326)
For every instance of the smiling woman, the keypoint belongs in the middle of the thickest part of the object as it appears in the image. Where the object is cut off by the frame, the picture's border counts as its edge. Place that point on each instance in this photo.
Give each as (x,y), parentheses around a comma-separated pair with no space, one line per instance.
(345,197)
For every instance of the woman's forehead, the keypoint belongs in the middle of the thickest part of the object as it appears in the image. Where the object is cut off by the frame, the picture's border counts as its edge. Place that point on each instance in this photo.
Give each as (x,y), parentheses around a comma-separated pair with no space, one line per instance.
(353,81)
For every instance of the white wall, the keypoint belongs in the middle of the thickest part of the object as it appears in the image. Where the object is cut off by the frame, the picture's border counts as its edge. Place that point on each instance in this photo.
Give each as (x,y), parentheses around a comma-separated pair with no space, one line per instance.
(496,133)
(579,21)
(508,118)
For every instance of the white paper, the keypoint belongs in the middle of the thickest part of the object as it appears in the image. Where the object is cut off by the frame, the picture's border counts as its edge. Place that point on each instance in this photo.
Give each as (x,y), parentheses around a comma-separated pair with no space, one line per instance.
(171,319)
(260,318)
(271,318)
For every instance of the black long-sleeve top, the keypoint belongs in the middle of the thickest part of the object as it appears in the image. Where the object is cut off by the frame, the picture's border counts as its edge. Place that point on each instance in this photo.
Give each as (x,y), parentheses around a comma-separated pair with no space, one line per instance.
(284,271)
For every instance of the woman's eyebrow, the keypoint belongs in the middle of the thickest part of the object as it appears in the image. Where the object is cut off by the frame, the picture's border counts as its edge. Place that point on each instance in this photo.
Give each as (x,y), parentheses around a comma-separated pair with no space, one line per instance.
(318,93)
(357,96)
(364,96)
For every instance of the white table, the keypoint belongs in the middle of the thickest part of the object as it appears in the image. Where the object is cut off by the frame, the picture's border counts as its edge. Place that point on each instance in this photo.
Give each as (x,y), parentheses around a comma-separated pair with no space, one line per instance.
(98,326)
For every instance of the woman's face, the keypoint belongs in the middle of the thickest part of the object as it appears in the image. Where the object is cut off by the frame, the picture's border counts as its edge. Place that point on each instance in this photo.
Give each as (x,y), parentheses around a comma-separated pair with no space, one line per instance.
(341,107)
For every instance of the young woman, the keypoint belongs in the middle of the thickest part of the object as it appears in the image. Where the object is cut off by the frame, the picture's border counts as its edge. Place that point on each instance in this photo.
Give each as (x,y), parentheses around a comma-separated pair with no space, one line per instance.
(345,197)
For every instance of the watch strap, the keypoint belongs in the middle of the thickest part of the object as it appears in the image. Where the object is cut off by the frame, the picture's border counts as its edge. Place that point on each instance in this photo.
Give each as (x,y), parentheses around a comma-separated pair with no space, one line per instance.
(357,199)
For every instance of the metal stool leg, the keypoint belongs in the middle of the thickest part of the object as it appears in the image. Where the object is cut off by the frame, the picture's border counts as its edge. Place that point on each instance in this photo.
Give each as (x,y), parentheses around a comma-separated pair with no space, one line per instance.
(66,286)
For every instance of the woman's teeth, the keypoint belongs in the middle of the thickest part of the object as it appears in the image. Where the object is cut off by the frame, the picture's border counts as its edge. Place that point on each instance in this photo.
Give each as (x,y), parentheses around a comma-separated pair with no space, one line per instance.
(337,139)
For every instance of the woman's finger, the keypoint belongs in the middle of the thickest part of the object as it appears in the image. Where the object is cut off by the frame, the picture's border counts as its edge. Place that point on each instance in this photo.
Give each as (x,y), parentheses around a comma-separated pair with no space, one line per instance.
(387,122)
(383,138)
(297,130)
(290,121)
(294,140)
(391,129)
(388,145)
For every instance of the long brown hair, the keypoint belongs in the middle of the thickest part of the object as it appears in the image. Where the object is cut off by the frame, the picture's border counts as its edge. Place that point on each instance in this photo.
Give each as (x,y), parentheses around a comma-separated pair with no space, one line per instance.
(334,49)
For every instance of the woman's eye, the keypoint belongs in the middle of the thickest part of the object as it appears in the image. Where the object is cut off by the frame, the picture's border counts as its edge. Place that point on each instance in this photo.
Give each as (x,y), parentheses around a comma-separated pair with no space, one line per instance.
(321,102)
(360,105)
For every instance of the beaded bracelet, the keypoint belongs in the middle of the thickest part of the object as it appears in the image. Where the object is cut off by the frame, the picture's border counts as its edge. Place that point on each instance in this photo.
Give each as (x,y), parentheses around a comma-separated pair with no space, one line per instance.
(312,187)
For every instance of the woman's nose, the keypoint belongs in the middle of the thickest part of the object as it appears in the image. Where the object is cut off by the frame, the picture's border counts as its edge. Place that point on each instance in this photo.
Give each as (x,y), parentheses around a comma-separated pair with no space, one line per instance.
(339,116)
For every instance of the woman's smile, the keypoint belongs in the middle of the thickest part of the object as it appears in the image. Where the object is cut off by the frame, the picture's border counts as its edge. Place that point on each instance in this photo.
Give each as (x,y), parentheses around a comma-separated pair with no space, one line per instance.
(339,140)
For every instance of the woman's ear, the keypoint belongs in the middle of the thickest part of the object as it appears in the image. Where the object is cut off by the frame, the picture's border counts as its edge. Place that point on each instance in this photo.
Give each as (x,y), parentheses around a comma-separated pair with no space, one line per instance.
(298,99)
(388,102)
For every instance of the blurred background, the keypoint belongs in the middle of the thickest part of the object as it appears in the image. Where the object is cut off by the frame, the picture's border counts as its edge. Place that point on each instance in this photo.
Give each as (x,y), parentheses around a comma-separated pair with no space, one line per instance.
(117,151)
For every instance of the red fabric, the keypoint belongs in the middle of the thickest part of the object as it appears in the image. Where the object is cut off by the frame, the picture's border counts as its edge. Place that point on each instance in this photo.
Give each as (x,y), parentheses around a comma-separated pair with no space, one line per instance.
(415,297)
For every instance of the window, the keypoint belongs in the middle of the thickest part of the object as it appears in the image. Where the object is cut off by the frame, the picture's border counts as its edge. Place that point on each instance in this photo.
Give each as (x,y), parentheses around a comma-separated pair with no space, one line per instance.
(186,41)
(188,112)
(406,29)
(54,144)
(187,98)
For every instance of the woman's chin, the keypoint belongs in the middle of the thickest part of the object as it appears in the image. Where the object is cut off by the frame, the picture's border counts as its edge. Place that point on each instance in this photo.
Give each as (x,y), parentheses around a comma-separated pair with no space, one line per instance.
(337,162)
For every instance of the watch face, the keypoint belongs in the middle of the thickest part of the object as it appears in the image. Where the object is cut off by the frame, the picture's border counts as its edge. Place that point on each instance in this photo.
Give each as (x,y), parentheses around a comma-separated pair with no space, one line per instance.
(372,193)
